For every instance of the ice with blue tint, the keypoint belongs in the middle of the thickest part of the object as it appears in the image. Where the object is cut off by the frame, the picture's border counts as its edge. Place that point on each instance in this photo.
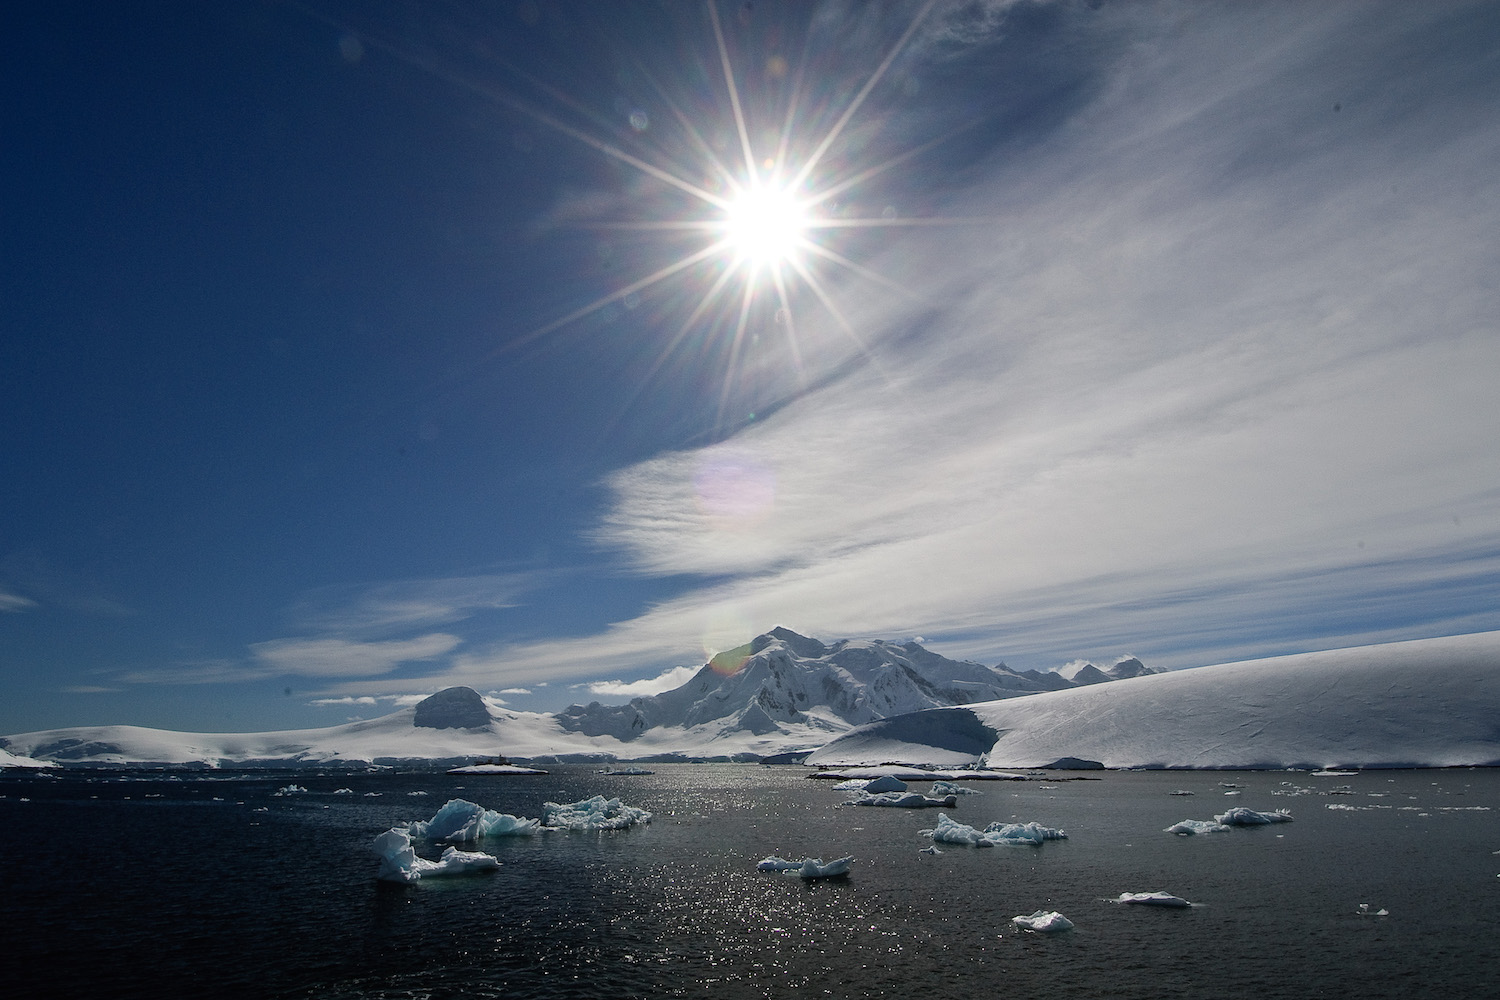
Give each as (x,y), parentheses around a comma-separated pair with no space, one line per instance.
(852,785)
(1192,827)
(1238,816)
(905,800)
(1044,922)
(464,821)
(597,813)
(940,788)
(949,831)
(808,868)
(399,861)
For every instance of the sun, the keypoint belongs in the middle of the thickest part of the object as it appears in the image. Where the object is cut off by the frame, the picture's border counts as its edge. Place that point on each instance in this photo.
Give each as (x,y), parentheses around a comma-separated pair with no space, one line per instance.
(765,226)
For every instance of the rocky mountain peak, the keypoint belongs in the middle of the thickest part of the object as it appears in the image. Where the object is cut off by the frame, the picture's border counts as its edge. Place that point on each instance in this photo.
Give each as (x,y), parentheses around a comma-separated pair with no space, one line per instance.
(452,708)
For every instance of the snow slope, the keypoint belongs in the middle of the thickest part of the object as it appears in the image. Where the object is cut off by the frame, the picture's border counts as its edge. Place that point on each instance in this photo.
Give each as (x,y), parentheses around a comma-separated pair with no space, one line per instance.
(1425,703)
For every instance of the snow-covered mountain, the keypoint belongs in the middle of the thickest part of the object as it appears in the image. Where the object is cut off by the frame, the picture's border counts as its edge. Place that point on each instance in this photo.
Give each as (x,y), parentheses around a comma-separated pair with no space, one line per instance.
(779,693)
(1426,703)
(782,681)
(1433,702)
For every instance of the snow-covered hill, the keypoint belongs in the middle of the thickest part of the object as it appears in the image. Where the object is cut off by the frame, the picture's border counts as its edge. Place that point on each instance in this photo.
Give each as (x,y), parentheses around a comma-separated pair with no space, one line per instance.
(1427,703)
(780,693)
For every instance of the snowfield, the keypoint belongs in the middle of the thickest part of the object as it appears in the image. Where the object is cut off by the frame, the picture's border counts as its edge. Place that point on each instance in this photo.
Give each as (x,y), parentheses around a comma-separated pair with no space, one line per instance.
(1424,703)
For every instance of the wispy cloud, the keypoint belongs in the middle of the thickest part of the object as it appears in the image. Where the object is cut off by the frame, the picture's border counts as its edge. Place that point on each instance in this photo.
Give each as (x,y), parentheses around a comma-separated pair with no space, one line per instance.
(667,680)
(375,609)
(332,658)
(1222,380)
(15,602)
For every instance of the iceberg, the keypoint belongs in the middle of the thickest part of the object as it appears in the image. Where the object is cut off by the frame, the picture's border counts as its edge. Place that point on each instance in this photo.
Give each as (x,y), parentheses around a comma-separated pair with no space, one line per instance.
(950,831)
(597,813)
(1151,899)
(1240,816)
(808,867)
(949,788)
(399,862)
(1192,827)
(1044,921)
(885,783)
(464,821)
(904,800)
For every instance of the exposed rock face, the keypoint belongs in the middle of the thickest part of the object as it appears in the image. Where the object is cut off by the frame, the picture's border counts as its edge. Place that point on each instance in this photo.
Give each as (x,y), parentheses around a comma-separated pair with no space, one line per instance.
(452,708)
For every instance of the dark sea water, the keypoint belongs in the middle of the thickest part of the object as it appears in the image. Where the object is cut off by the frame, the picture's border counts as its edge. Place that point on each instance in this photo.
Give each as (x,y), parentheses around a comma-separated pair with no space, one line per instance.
(149,884)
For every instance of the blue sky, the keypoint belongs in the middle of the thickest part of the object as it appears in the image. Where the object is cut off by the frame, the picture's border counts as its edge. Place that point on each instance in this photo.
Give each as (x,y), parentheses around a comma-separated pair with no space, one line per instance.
(333,373)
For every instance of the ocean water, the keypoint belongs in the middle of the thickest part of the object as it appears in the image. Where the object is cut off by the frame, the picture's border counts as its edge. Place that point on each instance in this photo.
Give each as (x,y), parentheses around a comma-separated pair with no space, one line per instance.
(143,884)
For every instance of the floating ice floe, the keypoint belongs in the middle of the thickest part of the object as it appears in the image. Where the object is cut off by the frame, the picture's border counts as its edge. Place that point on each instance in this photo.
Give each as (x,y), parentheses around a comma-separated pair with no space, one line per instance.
(807,867)
(930,849)
(1365,911)
(399,861)
(1151,899)
(343,791)
(597,813)
(464,821)
(1044,922)
(949,831)
(905,800)
(885,783)
(291,790)
(632,770)
(1182,791)
(949,788)
(1238,816)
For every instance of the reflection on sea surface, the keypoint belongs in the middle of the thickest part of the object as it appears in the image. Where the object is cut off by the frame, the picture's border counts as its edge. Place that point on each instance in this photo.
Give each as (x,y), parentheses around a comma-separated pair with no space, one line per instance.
(122,881)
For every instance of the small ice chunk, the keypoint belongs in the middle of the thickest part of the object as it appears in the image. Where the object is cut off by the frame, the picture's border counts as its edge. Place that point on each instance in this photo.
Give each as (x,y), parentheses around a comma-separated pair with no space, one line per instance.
(463,821)
(1365,911)
(930,849)
(885,783)
(950,831)
(852,785)
(1151,899)
(343,791)
(1190,827)
(940,788)
(597,813)
(1182,791)
(815,868)
(905,800)
(1044,922)
(291,790)
(399,861)
(807,867)
(1240,816)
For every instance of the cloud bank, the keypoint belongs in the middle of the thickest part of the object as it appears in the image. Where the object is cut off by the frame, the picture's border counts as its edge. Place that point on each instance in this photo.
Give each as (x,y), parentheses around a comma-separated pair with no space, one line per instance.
(1220,384)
